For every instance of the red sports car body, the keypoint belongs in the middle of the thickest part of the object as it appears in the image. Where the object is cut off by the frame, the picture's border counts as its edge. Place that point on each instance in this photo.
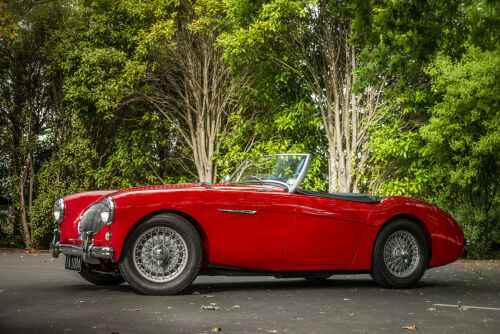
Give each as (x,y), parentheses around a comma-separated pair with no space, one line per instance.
(250,227)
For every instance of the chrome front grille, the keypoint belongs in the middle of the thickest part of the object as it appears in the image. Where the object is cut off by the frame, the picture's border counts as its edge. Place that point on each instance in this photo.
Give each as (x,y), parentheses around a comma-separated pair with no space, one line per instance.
(91,220)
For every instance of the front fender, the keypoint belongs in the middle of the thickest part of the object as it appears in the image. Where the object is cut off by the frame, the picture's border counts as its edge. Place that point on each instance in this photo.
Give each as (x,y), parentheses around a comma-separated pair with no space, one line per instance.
(75,206)
(132,207)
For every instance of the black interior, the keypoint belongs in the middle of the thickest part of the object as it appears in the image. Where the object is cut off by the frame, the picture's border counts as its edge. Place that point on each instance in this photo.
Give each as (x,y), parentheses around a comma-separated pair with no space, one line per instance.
(353,197)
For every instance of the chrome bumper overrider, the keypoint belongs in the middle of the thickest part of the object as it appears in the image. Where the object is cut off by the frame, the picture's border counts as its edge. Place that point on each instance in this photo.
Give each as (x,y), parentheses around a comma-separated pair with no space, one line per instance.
(86,250)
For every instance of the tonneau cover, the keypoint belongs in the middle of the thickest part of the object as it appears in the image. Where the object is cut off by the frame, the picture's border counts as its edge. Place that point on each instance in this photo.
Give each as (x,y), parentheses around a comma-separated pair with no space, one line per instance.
(353,197)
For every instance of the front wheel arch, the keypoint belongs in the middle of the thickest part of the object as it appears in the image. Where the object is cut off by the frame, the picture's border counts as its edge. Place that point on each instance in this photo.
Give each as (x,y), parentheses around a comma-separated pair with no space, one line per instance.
(198,227)
(139,277)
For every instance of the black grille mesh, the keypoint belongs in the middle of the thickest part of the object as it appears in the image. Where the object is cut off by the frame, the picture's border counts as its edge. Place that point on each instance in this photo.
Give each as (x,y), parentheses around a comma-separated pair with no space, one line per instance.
(91,219)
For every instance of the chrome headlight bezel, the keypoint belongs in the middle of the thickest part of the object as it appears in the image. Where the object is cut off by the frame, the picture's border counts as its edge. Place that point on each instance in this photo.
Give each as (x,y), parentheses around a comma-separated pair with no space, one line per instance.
(108,211)
(59,207)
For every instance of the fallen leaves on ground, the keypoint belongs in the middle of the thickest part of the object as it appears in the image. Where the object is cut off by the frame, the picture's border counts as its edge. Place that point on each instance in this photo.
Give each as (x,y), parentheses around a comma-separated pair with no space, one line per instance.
(211,306)
(411,328)
(17,250)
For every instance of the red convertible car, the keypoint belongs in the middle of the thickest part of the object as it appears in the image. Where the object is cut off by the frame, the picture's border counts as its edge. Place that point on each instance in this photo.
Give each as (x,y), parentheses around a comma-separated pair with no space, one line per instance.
(257,222)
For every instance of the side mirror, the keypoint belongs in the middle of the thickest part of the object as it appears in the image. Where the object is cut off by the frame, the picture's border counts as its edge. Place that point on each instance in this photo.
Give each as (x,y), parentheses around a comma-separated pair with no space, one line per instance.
(225,179)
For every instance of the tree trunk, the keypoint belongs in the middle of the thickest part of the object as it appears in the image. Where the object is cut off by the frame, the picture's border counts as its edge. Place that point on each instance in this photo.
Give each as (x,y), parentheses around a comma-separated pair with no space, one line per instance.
(22,203)
(328,61)
(194,89)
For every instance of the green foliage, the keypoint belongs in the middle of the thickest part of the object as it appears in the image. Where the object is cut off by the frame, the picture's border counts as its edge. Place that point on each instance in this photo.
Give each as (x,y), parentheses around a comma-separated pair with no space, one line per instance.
(463,143)
(287,119)
(292,131)
(102,65)
(401,37)
(105,68)
(7,26)
(484,20)
(30,96)
(395,160)
(67,172)
(439,136)
(397,167)
(84,63)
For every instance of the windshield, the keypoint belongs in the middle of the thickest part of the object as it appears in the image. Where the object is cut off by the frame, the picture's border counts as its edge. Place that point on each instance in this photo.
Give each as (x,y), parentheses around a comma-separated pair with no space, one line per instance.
(285,169)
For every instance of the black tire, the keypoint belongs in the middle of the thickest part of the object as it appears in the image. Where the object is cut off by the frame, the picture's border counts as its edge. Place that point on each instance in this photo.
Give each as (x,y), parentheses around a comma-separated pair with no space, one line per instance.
(380,270)
(137,279)
(99,278)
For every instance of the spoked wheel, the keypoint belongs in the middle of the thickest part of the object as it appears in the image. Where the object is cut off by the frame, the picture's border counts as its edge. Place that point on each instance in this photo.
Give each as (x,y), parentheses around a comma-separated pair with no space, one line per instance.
(162,256)
(400,255)
(99,277)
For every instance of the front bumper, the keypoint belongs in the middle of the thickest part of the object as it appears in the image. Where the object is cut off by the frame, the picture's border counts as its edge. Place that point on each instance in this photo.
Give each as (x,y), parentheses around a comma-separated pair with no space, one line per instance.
(86,249)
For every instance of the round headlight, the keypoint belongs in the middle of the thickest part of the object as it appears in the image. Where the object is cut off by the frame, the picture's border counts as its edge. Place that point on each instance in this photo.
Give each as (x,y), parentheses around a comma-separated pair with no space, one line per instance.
(105,216)
(59,210)
(108,211)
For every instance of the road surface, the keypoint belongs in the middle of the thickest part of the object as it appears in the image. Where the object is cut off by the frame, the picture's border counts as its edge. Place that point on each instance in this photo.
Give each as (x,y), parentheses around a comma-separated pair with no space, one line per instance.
(37,295)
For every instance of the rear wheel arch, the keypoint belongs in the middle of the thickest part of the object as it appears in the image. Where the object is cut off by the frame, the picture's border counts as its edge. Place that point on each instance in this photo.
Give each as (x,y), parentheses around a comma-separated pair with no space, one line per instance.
(417,221)
(395,227)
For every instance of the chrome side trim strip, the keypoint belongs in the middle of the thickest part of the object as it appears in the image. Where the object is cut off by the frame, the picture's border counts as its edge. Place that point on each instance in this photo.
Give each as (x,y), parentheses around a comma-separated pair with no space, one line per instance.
(246,212)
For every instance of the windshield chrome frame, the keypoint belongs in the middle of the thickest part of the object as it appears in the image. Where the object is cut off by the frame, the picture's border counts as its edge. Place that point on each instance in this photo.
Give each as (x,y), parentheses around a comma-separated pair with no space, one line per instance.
(298,181)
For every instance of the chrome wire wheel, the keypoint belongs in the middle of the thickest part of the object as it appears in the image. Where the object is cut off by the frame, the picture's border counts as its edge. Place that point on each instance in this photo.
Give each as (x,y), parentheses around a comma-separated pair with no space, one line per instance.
(160,254)
(401,254)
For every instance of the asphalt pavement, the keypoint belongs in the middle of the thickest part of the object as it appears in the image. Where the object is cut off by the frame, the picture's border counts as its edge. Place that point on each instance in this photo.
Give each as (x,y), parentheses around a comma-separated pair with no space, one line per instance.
(37,295)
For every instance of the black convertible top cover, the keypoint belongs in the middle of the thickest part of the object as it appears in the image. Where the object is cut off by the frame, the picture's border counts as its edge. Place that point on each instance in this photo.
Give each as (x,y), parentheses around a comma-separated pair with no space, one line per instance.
(353,197)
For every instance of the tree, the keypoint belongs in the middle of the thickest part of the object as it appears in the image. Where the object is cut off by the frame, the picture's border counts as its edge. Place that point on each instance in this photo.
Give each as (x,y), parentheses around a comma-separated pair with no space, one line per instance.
(401,38)
(165,57)
(193,86)
(462,143)
(312,39)
(408,158)
(29,98)
(104,66)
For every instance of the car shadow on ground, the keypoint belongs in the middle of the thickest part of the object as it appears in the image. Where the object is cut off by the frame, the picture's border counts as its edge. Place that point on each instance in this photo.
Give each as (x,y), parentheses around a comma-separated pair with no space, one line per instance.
(270,284)
(296,284)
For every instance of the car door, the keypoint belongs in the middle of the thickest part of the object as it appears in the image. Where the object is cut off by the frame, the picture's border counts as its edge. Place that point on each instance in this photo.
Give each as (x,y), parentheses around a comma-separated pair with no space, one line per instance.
(326,231)
(250,228)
